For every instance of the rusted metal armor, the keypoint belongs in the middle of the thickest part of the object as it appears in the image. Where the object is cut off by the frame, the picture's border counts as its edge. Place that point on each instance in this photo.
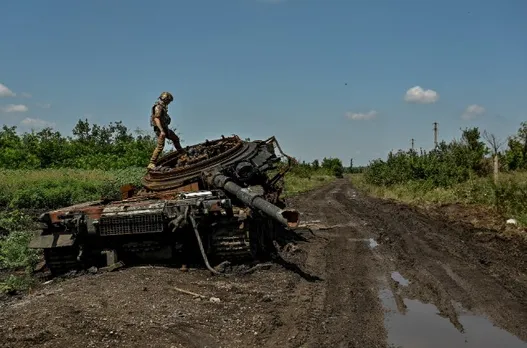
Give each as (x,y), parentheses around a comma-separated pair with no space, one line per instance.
(160,120)
(223,203)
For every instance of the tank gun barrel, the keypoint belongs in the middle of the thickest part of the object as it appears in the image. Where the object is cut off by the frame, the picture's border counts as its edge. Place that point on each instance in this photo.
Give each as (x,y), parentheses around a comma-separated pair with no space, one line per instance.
(287,217)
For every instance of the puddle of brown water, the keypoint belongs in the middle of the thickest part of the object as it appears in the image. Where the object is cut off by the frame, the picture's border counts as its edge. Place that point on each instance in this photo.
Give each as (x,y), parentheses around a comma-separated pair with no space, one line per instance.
(422,327)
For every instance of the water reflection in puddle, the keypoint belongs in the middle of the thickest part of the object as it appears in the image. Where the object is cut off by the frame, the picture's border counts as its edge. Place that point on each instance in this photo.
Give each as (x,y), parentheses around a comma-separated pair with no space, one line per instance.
(372,243)
(400,279)
(422,327)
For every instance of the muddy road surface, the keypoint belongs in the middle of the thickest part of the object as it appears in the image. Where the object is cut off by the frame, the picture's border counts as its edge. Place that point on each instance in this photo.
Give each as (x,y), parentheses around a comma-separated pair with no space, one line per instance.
(369,274)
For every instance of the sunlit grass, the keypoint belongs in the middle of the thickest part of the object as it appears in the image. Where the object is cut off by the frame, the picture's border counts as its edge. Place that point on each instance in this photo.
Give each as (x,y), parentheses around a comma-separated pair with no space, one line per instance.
(509,196)
(51,188)
(295,184)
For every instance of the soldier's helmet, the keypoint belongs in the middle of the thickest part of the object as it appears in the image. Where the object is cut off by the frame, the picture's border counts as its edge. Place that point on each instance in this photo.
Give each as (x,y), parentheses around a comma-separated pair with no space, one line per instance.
(166,97)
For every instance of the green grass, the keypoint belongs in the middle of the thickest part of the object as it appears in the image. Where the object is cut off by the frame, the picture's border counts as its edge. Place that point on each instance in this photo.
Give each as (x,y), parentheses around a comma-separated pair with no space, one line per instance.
(52,188)
(509,196)
(22,190)
(15,256)
(296,184)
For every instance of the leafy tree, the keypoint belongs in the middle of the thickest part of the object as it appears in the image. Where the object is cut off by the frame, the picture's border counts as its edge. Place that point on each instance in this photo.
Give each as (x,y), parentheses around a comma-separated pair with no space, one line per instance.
(516,154)
(333,165)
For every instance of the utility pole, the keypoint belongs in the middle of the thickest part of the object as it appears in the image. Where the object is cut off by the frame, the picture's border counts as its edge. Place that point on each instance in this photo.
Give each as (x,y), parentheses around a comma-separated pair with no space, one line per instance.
(412,144)
(435,133)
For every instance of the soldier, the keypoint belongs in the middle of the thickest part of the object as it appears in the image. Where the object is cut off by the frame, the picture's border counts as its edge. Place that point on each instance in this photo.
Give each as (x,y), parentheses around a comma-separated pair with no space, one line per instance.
(160,121)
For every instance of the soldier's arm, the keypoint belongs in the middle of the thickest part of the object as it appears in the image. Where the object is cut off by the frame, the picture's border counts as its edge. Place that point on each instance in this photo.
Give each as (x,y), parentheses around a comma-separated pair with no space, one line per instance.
(157,113)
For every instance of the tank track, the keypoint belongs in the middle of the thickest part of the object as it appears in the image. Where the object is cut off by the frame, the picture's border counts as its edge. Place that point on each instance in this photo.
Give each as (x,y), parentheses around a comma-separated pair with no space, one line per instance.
(141,247)
(250,243)
(62,260)
(233,246)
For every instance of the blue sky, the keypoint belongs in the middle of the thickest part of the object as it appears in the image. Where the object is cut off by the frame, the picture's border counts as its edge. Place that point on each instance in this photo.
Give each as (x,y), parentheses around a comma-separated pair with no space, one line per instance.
(327,77)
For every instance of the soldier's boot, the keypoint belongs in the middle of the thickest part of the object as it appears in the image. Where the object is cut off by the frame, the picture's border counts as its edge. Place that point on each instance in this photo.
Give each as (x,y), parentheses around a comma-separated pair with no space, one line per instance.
(175,140)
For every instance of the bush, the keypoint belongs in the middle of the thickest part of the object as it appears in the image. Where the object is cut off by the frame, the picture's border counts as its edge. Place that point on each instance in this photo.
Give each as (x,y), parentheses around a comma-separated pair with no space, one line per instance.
(445,166)
(15,253)
(11,220)
(16,283)
(458,171)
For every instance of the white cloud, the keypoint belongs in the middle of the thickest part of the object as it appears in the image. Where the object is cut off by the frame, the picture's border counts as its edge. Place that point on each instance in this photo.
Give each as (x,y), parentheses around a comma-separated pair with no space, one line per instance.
(44,105)
(419,95)
(361,116)
(26,95)
(6,92)
(36,123)
(15,108)
(472,111)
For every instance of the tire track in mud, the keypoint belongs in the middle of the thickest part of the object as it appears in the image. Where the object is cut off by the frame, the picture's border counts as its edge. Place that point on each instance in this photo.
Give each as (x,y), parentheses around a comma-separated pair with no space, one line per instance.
(352,312)
(444,264)
(440,260)
(344,309)
(303,311)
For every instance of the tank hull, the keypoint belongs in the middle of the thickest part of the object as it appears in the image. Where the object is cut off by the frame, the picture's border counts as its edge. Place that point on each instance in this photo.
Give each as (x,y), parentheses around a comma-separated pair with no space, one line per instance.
(216,203)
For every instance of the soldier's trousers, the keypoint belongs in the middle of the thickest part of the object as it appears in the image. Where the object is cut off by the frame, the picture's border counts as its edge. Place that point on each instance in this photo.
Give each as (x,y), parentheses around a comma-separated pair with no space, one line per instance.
(161,142)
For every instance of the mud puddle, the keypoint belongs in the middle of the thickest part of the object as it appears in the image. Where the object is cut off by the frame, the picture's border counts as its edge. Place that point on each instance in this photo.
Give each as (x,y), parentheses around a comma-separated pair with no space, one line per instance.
(422,326)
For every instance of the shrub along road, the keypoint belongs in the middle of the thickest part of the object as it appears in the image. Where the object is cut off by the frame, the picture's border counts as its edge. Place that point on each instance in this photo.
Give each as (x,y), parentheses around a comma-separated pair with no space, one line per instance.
(370,274)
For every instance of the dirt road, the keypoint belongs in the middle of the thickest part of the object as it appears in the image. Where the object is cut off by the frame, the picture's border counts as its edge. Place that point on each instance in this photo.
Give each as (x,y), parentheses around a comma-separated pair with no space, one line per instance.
(373,274)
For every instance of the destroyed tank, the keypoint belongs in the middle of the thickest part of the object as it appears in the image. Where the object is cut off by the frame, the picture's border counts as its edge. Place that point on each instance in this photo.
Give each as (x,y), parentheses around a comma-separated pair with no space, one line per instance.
(216,202)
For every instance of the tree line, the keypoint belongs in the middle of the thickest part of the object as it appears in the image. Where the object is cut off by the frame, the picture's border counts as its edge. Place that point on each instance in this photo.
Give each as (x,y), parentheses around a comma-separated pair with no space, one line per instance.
(114,146)
(92,146)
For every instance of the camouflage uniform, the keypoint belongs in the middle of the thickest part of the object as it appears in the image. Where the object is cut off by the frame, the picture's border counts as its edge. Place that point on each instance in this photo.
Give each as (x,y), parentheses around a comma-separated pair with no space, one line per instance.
(160,112)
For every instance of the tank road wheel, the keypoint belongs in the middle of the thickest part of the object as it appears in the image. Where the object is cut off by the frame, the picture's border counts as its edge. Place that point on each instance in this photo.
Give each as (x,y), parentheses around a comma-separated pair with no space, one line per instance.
(62,260)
